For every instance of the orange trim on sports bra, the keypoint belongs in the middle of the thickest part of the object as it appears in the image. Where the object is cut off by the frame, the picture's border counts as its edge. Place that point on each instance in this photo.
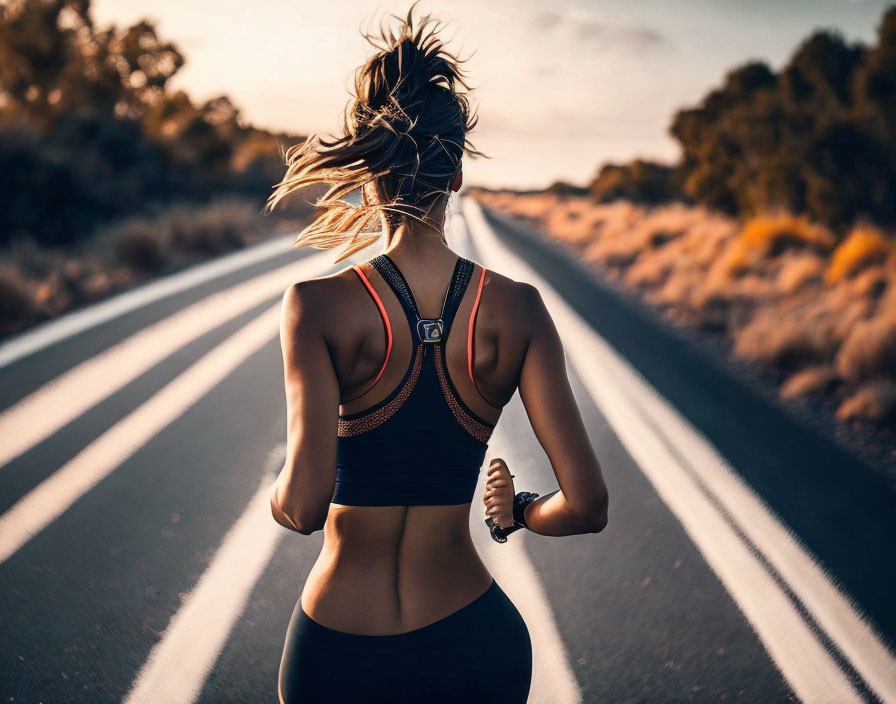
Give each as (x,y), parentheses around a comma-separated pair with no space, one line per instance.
(384,315)
(470,331)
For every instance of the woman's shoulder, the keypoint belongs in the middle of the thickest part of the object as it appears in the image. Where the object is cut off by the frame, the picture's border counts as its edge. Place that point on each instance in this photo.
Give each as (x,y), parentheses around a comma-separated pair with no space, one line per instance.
(318,298)
(516,295)
(513,308)
(329,293)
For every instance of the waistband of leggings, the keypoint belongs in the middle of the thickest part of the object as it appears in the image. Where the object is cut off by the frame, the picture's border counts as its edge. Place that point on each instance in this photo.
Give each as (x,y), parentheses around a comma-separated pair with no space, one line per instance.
(492,590)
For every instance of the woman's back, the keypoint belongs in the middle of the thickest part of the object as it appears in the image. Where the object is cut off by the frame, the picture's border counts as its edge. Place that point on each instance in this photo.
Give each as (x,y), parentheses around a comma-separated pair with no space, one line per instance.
(390,409)
(394,568)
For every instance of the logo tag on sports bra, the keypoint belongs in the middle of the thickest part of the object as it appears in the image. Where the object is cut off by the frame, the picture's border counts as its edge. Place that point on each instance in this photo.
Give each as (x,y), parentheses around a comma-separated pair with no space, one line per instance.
(429,329)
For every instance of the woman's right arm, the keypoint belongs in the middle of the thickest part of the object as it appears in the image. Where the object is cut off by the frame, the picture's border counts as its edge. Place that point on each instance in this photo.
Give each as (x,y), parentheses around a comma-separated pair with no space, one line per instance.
(581,503)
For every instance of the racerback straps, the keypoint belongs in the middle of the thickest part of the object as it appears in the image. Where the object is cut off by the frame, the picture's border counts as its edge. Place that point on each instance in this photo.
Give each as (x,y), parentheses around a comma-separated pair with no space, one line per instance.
(426,329)
(399,285)
(459,282)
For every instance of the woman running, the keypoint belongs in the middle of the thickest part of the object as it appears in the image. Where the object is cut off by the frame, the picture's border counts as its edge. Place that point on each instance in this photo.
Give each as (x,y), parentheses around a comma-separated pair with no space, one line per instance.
(396,372)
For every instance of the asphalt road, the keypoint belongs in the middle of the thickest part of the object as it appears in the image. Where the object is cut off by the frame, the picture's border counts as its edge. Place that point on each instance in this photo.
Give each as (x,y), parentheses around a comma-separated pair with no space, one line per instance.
(149,571)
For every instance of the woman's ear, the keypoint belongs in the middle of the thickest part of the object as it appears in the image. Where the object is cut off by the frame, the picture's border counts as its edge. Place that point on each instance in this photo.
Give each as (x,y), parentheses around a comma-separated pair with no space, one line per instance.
(458,180)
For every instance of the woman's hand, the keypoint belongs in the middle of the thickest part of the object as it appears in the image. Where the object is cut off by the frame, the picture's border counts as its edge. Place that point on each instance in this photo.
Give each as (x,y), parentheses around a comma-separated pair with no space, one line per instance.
(499,493)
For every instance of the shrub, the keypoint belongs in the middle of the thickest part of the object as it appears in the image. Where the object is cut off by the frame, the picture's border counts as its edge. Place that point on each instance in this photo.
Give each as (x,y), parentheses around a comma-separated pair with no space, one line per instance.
(640,181)
(17,301)
(220,226)
(140,243)
(33,260)
(772,234)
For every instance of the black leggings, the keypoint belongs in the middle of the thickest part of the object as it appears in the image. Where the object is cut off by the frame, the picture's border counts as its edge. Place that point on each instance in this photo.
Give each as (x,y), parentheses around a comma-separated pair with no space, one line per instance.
(480,653)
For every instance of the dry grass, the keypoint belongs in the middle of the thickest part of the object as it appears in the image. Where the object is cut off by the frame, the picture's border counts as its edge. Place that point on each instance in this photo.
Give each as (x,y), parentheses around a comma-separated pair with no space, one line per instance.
(149,244)
(787,333)
(864,245)
(140,243)
(37,283)
(770,235)
(874,401)
(815,380)
(778,286)
(17,296)
(220,227)
(799,270)
(870,345)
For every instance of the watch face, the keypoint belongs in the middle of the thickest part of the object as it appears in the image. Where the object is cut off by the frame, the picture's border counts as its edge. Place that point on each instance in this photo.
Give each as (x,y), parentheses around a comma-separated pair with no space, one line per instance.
(498,533)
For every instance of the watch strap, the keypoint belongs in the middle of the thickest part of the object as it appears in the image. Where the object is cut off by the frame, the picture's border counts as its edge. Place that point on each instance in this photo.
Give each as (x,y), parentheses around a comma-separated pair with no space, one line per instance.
(520,501)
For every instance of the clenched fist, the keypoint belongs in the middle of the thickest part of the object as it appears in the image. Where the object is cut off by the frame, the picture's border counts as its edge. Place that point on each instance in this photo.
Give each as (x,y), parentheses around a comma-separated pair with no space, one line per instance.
(499,493)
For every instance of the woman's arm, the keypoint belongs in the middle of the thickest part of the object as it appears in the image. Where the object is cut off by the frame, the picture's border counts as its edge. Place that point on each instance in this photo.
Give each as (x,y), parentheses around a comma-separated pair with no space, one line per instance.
(300,498)
(581,503)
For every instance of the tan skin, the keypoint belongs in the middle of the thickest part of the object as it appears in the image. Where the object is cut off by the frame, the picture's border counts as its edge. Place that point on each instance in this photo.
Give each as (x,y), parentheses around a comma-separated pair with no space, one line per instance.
(393,569)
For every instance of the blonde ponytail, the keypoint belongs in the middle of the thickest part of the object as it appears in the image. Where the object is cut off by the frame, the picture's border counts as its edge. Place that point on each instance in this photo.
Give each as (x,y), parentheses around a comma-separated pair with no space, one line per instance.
(404,134)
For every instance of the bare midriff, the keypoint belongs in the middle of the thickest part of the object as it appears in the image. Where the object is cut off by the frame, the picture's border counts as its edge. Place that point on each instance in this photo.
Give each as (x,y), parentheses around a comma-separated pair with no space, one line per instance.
(392,569)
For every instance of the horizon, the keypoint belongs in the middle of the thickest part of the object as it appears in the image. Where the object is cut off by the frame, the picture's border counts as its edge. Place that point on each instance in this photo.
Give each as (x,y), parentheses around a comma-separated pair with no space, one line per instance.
(647,59)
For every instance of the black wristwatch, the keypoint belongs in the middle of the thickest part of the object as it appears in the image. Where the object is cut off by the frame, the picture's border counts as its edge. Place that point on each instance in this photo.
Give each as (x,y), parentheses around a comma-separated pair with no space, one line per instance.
(520,501)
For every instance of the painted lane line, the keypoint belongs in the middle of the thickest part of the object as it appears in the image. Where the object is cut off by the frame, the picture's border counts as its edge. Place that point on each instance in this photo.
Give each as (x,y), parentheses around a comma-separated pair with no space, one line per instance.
(40,414)
(53,496)
(802,659)
(553,681)
(838,615)
(808,668)
(65,326)
(829,606)
(180,663)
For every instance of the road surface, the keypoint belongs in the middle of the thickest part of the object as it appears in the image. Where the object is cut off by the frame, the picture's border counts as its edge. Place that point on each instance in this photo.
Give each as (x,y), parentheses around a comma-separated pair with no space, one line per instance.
(746,559)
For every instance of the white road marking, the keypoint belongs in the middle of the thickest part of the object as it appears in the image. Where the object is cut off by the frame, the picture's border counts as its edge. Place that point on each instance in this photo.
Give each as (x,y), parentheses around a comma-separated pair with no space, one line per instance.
(39,415)
(553,681)
(72,323)
(626,399)
(833,610)
(53,496)
(179,664)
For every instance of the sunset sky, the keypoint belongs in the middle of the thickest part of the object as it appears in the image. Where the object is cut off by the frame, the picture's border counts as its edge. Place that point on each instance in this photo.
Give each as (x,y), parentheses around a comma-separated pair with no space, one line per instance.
(561,86)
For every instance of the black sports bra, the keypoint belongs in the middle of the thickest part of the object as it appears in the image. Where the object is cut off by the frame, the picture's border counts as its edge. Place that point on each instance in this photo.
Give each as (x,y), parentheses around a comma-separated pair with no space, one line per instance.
(421,445)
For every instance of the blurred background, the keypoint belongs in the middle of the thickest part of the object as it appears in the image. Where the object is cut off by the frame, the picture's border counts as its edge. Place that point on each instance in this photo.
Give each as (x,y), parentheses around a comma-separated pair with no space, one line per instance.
(728,168)
(732,162)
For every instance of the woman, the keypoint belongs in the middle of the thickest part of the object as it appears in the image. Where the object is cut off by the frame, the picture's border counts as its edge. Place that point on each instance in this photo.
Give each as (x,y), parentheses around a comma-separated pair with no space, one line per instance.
(396,372)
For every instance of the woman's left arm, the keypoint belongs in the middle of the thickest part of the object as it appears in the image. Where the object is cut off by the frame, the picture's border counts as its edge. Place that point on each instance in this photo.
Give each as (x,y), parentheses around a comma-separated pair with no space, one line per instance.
(300,497)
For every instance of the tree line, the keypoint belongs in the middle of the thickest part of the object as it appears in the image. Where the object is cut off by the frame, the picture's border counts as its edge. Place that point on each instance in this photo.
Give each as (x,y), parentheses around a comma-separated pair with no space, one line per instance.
(818,137)
(90,131)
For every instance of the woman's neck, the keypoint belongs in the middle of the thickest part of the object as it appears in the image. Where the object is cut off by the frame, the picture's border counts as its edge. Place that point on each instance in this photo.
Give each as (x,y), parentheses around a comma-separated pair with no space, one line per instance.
(418,244)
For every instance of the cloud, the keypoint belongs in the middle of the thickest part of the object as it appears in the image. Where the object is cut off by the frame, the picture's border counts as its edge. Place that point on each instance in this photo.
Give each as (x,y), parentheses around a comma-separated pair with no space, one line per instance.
(602,35)
(547,20)
(638,38)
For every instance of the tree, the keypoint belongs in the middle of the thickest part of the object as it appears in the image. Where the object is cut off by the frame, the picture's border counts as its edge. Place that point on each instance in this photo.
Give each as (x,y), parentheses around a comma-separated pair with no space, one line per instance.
(819,137)
(87,123)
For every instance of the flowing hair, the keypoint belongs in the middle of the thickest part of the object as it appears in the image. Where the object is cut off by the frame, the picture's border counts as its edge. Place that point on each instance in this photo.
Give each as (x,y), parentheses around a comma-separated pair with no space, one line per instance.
(404,133)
